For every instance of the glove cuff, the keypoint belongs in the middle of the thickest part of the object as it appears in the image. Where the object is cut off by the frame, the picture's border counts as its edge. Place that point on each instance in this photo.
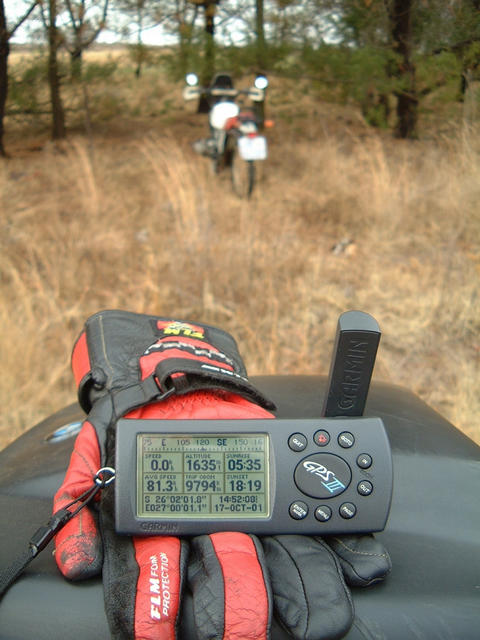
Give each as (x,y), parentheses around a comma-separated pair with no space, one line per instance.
(138,359)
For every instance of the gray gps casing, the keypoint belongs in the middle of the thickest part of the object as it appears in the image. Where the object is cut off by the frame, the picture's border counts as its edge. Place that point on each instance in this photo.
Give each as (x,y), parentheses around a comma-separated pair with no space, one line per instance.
(356,450)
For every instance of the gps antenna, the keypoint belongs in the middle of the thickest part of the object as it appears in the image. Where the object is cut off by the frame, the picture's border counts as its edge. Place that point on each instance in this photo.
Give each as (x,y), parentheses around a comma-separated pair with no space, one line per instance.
(356,344)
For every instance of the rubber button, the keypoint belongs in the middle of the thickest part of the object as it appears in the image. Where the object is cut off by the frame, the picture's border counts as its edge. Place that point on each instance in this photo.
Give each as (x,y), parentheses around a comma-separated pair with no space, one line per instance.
(298,510)
(321,438)
(322,475)
(323,513)
(346,439)
(364,461)
(347,510)
(297,442)
(365,488)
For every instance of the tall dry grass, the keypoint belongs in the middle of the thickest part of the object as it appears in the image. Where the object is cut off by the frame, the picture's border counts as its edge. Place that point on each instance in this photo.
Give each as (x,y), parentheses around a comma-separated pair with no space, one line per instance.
(138,222)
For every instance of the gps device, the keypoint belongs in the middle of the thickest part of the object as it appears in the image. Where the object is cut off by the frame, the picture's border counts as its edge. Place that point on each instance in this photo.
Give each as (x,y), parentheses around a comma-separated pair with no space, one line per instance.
(331,474)
(312,476)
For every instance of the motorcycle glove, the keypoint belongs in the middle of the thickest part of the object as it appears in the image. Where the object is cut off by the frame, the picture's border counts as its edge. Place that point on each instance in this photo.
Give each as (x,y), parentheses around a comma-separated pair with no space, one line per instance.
(238,581)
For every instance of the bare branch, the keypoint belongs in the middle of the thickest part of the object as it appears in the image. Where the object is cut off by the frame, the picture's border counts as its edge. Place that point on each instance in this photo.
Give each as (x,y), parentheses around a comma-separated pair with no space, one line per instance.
(32,7)
(71,13)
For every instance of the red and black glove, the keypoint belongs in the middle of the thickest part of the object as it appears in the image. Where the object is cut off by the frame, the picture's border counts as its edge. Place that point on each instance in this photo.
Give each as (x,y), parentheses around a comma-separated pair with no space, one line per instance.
(237,580)
(132,567)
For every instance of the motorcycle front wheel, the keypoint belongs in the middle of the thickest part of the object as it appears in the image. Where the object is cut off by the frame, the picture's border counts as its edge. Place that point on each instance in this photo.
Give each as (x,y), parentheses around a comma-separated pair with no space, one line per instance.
(242,171)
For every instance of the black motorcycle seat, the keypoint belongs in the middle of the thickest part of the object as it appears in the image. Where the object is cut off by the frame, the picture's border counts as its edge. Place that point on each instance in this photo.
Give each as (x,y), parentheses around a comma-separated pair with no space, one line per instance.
(432,533)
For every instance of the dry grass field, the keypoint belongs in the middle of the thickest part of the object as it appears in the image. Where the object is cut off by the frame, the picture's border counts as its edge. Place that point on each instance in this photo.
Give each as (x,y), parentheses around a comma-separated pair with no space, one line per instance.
(129,217)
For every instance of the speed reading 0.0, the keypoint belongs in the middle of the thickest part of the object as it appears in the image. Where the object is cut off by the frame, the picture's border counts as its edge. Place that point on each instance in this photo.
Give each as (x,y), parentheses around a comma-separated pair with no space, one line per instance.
(202,475)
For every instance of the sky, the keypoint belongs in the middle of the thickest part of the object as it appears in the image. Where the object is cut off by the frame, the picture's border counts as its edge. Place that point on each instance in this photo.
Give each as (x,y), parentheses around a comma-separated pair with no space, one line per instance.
(150,36)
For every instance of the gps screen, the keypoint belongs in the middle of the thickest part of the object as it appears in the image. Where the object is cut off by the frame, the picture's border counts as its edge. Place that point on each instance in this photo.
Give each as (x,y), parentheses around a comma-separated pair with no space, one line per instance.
(203,475)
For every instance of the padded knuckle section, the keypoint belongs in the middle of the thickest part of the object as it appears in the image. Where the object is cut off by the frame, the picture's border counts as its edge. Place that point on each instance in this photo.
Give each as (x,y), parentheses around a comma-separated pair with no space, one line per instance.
(364,560)
(231,598)
(308,587)
(79,556)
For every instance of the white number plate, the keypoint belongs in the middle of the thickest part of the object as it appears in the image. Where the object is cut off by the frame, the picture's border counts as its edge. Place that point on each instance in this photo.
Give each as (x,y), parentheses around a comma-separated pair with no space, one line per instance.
(253,148)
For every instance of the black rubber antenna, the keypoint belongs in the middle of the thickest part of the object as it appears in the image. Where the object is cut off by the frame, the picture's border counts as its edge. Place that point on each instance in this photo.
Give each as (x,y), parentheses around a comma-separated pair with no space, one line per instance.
(356,344)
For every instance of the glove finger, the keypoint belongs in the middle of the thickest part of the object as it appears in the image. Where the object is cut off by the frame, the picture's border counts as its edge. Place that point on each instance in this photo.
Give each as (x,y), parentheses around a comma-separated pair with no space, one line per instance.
(78,546)
(231,593)
(311,599)
(143,579)
(162,569)
(364,559)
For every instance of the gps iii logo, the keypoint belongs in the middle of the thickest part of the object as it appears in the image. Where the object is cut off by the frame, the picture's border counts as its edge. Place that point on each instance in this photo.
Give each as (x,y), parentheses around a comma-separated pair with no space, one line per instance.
(328,478)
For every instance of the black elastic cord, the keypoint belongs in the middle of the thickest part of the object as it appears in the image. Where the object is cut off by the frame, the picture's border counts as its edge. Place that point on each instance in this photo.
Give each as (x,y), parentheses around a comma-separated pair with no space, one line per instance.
(84,499)
(37,543)
(44,534)
(9,575)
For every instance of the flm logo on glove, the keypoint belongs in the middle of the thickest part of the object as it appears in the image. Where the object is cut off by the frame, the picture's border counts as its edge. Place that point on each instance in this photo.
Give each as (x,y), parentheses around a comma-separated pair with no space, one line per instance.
(177,328)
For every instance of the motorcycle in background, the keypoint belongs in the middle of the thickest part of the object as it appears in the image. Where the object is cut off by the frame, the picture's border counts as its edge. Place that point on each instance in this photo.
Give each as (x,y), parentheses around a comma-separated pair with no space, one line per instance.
(235,142)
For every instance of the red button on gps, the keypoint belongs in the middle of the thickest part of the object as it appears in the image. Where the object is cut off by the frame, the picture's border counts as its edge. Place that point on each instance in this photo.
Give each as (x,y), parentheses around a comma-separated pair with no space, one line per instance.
(321,438)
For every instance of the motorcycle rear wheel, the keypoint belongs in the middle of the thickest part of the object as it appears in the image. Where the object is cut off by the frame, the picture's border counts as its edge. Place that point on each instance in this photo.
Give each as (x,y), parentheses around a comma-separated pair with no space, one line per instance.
(242,173)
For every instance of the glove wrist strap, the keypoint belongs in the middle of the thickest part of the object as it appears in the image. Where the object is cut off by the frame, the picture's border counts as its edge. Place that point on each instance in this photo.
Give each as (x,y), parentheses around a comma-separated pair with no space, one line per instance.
(138,395)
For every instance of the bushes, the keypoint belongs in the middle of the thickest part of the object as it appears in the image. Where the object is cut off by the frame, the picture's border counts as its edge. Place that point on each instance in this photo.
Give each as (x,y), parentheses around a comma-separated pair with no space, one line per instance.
(27,84)
(363,77)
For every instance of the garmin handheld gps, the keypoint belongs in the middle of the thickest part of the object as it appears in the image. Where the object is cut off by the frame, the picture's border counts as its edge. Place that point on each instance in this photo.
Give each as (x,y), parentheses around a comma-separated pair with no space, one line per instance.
(307,476)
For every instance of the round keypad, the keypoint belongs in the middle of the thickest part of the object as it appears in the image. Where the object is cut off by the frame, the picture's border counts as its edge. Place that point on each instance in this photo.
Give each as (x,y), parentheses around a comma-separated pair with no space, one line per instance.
(321,438)
(298,510)
(327,472)
(365,488)
(364,461)
(297,442)
(346,439)
(322,475)
(323,513)
(347,510)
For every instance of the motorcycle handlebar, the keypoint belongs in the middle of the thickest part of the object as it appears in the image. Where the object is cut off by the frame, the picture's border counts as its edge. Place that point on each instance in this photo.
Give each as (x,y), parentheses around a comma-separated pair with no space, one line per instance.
(191,93)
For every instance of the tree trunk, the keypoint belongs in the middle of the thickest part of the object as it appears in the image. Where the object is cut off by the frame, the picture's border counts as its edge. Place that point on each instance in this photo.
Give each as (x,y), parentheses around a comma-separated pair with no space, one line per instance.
(139,51)
(407,100)
(4,51)
(260,29)
(183,56)
(76,60)
(58,114)
(209,60)
(208,69)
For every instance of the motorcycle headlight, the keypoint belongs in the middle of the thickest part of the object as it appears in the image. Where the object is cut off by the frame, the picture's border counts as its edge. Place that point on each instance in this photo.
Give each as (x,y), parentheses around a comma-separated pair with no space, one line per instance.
(261,82)
(191,79)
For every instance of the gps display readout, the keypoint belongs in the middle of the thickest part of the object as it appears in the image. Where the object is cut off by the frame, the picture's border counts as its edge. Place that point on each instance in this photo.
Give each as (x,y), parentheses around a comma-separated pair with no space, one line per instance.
(203,475)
